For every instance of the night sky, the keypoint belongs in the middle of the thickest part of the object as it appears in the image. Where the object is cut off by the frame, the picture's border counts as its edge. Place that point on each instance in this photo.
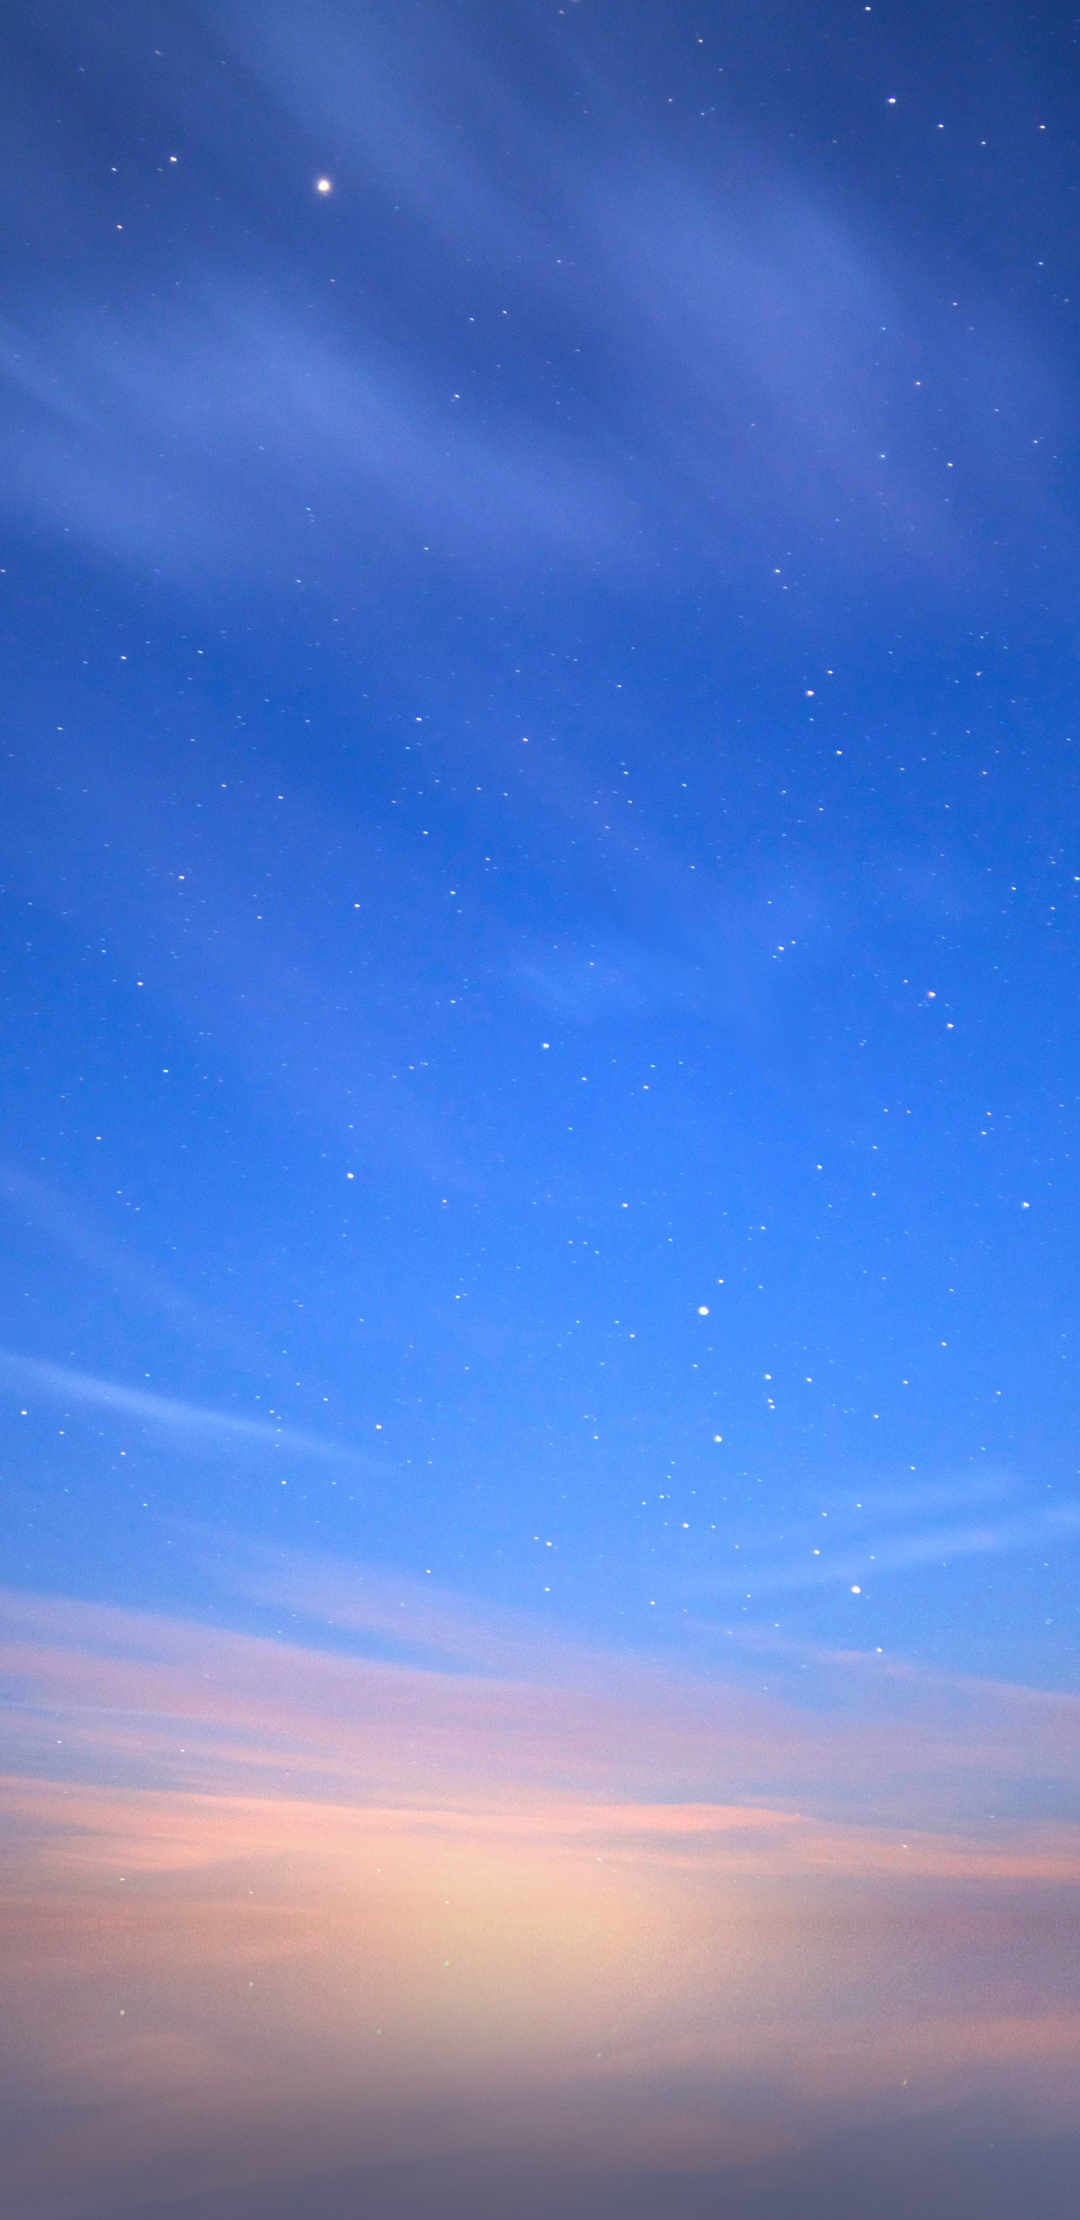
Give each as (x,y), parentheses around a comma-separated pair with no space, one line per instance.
(540,882)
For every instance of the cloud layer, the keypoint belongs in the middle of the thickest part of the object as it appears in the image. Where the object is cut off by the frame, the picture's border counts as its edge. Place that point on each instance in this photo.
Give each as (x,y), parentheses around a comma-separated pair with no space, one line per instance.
(277,410)
(279,1909)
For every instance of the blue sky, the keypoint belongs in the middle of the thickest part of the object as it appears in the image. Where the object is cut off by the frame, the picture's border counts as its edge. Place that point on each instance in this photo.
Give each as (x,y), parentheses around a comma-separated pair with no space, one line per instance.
(539,874)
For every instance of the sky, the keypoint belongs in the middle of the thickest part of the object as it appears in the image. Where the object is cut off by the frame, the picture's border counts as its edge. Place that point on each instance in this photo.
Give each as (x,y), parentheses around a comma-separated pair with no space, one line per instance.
(539,870)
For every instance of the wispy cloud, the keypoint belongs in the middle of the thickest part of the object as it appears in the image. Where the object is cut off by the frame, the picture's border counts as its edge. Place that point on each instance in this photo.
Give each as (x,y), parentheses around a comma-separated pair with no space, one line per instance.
(242,428)
(417,1615)
(76,1230)
(56,1383)
(374,1683)
(863,1551)
(357,459)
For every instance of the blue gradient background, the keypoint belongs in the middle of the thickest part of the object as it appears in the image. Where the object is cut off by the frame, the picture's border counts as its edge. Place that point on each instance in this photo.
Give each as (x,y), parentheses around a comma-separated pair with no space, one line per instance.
(539,880)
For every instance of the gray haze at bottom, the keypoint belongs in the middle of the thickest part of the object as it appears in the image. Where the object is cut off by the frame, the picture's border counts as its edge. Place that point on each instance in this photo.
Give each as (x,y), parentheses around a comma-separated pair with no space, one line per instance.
(946,2165)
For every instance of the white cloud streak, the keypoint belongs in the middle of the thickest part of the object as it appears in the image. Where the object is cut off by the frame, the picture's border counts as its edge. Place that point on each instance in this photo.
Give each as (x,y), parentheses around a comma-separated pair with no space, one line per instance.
(58,1384)
(891,1553)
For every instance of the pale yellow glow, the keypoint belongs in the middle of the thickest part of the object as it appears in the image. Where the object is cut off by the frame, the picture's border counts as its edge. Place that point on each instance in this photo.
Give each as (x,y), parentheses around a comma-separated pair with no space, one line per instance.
(279,1909)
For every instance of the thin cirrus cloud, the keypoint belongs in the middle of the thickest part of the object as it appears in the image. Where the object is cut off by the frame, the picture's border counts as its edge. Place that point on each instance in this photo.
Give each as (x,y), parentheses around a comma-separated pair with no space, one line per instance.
(242,428)
(57,1383)
(788,337)
(848,1554)
(820,1564)
(388,1684)
(347,1913)
(229,429)
(45,1208)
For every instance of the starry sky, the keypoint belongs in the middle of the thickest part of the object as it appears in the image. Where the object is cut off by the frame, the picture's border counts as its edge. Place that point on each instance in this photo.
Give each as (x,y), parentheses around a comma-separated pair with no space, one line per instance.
(539,868)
